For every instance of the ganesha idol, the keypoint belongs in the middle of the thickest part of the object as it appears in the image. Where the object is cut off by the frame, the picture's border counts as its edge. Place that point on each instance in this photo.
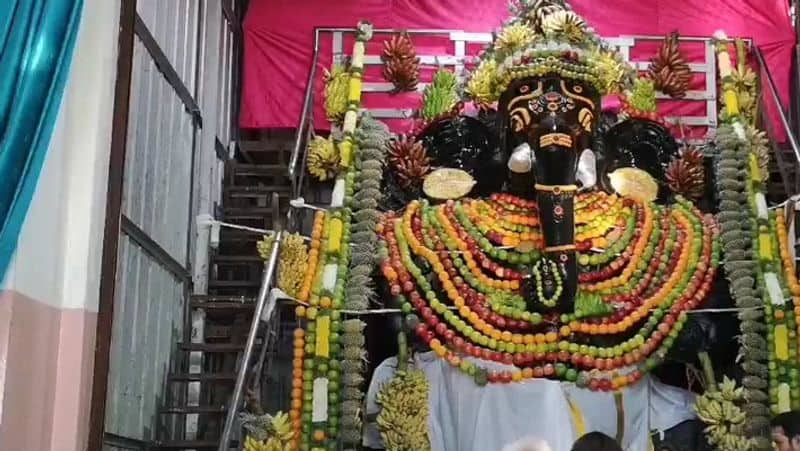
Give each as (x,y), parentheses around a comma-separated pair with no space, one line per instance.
(561,280)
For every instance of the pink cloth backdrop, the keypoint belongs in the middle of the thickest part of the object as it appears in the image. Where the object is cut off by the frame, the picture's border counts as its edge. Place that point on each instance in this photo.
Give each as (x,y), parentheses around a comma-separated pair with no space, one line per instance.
(279,37)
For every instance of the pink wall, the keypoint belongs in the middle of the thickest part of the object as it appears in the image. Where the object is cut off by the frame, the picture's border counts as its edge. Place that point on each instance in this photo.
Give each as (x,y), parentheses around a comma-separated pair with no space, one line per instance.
(279,36)
(45,374)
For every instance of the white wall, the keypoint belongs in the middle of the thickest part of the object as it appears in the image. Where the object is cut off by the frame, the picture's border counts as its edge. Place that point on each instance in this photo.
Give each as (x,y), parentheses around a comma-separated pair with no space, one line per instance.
(60,247)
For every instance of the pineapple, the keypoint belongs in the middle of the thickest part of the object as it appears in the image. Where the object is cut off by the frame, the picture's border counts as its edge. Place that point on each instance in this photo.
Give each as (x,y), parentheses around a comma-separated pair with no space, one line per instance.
(409,160)
(669,69)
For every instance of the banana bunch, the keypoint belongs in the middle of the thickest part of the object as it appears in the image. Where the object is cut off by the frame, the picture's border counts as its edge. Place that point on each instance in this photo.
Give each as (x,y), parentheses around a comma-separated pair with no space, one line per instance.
(264,246)
(267,432)
(403,419)
(280,427)
(481,85)
(669,69)
(336,89)
(514,37)
(273,444)
(323,158)
(440,96)
(759,146)
(743,83)
(720,411)
(292,264)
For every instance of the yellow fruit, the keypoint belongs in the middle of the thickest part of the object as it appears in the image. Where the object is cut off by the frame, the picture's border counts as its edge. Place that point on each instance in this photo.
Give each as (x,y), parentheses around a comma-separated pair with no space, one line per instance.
(634,183)
(323,336)
(448,183)
(781,342)
(323,159)
(334,235)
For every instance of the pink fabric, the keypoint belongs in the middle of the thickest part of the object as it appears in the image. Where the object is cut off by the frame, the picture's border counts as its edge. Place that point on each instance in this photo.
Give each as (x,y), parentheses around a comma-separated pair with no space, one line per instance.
(279,37)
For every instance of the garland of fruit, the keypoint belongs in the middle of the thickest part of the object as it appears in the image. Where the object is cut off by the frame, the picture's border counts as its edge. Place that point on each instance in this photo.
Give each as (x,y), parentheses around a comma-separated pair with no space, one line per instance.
(455,269)
(661,266)
(760,271)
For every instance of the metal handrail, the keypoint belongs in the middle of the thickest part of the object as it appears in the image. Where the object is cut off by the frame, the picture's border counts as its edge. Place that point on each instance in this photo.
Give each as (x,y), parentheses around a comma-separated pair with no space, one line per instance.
(781,111)
(263,303)
(305,111)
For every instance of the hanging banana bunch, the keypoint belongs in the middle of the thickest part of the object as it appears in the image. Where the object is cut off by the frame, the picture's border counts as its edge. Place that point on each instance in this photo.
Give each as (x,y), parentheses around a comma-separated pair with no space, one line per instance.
(323,159)
(719,409)
(336,81)
(403,419)
(292,264)
(669,69)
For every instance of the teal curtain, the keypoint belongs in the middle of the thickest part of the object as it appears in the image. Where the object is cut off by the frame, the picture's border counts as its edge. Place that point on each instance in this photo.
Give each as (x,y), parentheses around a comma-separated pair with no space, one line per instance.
(36,42)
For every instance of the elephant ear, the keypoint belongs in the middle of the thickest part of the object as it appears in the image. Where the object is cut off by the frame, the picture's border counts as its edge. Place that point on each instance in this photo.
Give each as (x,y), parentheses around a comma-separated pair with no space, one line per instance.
(467,143)
(640,144)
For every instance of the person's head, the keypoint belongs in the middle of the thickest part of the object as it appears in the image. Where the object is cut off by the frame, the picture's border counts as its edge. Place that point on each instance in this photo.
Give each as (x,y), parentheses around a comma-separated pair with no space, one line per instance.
(786,431)
(596,441)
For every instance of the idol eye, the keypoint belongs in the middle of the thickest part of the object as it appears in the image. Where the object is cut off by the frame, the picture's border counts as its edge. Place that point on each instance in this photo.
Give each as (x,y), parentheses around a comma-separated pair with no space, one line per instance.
(523,89)
(578,89)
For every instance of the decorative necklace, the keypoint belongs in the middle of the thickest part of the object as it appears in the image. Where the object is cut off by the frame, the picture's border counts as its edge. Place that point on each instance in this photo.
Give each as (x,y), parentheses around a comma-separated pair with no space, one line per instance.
(546,267)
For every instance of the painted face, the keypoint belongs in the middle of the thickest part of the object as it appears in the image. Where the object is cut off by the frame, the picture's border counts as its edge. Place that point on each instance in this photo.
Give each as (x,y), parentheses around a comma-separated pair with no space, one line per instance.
(556,117)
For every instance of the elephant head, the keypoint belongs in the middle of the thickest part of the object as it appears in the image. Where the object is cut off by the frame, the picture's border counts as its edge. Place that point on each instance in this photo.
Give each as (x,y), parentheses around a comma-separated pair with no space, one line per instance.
(550,120)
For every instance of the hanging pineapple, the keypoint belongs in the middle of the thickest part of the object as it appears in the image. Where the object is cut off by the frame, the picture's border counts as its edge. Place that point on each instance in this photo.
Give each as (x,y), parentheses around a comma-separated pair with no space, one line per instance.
(400,63)
(323,158)
(409,160)
(686,175)
(669,69)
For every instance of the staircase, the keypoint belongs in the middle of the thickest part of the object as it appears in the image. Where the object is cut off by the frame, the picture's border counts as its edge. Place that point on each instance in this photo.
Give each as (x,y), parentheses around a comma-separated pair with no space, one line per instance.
(208,364)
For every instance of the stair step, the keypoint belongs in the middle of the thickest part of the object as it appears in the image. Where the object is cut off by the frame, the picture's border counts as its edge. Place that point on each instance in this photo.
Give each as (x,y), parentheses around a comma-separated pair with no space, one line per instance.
(185,410)
(203,377)
(259,169)
(188,444)
(216,332)
(221,298)
(234,283)
(250,189)
(239,258)
(247,212)
(212,347)
(223,305)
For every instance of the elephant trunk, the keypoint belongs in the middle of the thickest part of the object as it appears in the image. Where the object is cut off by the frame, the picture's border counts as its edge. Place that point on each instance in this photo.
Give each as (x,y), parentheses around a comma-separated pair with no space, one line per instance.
(557,218)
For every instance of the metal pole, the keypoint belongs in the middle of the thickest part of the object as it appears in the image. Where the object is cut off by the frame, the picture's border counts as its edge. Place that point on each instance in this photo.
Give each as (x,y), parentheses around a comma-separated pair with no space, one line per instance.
(794,102)
(781,112)
(263,296)
(298,139)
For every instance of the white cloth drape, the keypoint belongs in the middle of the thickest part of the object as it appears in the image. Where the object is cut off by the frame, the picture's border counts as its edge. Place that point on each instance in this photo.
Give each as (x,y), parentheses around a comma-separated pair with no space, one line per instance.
(465,417)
